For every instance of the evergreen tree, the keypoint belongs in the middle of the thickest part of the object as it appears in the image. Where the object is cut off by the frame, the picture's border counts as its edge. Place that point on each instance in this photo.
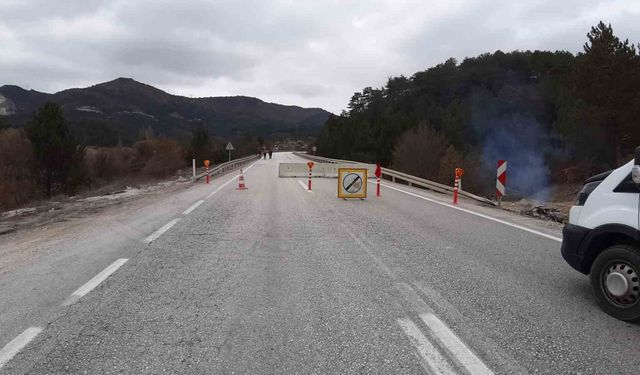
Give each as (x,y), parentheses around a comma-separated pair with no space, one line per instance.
(59,158)
(606,80)
(545,110)
(200,144)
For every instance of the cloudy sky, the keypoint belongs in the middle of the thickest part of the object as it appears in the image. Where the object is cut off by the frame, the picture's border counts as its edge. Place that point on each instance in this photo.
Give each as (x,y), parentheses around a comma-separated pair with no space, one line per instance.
(312,53)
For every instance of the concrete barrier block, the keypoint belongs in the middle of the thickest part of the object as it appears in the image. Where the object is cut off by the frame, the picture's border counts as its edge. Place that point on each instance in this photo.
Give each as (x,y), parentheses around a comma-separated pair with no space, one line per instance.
(319,169)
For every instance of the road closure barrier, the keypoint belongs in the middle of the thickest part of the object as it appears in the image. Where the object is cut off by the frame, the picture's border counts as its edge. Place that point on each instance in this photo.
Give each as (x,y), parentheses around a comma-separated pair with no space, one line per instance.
(319,169)
(390,174)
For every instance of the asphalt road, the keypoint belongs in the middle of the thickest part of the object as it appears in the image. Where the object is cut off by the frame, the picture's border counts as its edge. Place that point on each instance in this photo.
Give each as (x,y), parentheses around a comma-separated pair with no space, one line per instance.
(275,279)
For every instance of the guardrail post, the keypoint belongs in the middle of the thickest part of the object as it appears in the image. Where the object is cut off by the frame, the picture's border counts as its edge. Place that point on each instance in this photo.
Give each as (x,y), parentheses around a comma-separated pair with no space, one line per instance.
(193,163)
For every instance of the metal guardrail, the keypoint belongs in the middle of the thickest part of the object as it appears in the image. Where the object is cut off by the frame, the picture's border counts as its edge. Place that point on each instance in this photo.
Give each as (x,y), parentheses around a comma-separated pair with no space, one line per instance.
(409,179)
(227,166)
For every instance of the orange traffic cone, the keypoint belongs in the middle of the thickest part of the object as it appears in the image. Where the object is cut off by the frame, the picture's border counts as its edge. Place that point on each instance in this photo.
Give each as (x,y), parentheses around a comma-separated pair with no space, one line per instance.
(241,182)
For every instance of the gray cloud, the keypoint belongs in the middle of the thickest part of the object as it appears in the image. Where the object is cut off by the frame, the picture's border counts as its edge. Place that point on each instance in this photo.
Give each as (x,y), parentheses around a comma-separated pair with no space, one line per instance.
(312,53)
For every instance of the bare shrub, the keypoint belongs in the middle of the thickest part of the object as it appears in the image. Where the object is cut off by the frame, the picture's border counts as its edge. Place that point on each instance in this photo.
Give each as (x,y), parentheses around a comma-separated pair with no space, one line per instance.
(419,152)
(17,168)
(451,160)
(425,153)
(107,163)
(158,157)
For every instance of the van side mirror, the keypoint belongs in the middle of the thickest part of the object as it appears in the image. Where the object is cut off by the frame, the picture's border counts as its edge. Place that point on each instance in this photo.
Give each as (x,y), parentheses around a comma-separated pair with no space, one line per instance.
(635,171)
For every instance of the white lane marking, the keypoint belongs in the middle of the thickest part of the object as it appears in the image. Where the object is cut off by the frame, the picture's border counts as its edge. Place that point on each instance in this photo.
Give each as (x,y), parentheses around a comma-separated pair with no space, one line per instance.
(437,299)
(193,207)
(95,281)
(477,214)
(305,187)
(458,349)
(159,232)
(379,262)
(14,346)
(434,361)
(412,297)
(230,181)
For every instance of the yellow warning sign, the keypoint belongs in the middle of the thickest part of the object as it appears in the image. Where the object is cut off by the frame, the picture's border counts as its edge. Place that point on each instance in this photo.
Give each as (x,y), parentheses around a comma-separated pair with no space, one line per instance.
(352,183)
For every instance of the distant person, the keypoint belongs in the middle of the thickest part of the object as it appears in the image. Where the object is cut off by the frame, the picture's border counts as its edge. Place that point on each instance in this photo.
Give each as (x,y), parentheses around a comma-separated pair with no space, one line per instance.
(270,153)
(264,155)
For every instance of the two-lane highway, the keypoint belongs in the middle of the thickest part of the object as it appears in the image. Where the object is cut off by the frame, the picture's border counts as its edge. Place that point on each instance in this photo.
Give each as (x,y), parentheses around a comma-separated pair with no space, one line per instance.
(276,279)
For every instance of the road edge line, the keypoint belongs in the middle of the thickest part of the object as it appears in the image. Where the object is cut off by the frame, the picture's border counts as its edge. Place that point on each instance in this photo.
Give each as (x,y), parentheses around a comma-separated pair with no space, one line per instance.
(517,226)
(14,346)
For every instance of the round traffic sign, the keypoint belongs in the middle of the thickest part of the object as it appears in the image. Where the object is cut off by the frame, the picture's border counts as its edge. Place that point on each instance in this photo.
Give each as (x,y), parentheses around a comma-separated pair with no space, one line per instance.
(352,183)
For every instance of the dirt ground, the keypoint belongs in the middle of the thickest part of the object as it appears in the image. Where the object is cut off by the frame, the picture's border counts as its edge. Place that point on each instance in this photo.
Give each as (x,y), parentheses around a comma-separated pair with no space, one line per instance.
(64,209)
(556,208)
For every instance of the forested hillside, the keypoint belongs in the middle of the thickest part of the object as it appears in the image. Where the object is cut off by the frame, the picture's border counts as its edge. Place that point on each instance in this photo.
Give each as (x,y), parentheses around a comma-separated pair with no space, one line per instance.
(122,109)
(554,116)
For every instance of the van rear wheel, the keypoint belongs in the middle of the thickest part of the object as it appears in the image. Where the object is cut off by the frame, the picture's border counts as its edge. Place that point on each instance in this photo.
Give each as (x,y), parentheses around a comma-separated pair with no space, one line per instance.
(615,278)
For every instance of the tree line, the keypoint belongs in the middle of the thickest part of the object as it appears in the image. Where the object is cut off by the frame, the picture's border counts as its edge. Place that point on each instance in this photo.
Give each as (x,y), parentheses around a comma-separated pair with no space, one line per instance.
(554,116)
(45,158)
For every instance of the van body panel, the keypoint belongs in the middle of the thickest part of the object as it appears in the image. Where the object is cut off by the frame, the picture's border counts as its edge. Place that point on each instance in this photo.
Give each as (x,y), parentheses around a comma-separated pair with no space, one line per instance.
(604,206)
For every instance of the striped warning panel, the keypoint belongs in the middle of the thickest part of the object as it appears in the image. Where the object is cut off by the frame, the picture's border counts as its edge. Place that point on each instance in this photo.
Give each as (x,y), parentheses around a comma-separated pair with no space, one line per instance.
(501,180)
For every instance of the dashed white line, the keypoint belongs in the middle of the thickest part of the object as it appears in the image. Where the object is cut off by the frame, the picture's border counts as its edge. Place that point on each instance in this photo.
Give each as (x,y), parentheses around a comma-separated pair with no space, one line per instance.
(95,281)
(193,207)
(305,187)
(432,359)
(458,349)
(477,214)
(159,232)
(14,346)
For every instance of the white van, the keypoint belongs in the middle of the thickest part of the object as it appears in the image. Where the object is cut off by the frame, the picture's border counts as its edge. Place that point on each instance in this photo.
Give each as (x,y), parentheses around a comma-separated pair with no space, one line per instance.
(602,238)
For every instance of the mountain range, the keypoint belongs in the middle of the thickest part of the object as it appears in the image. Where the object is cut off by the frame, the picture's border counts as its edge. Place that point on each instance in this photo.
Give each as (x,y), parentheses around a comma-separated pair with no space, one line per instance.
(123,108)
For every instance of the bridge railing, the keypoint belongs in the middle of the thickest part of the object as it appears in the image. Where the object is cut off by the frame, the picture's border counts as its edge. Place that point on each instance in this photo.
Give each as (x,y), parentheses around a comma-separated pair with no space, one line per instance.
(410,180)
(227,166)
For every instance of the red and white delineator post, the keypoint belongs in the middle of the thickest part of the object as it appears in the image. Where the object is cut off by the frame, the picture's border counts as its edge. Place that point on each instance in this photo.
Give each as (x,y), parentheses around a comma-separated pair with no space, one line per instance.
(310,165)
(456,184)
(455,190)
(501,180)
(378,175)
(206,171)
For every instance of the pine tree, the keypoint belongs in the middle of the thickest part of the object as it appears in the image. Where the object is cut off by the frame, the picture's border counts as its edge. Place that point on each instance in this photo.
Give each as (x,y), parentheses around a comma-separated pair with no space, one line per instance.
(606,80)
(200,144)
(59,158)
